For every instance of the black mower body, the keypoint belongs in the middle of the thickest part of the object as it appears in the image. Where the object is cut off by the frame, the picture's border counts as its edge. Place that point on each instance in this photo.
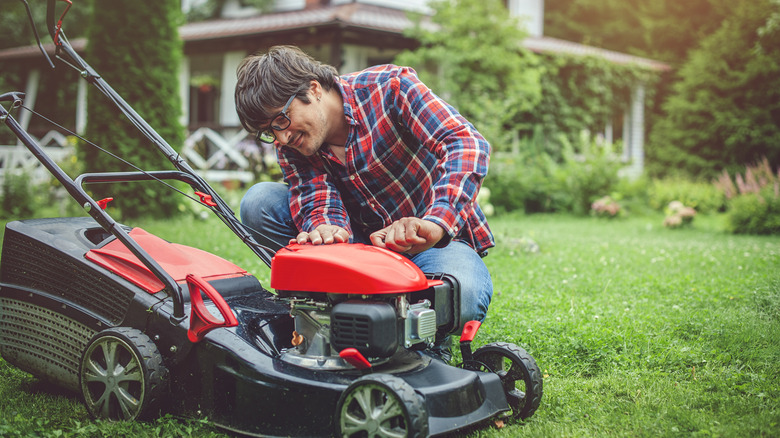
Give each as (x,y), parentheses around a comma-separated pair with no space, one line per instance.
(53,300)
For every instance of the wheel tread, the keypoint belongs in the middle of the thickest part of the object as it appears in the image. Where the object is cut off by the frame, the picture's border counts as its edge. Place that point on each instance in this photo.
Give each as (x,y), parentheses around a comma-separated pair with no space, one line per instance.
(534,375)
(415,407)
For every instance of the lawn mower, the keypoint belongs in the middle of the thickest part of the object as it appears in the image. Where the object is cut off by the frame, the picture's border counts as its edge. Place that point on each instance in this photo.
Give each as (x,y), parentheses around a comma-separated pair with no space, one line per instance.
(140,326)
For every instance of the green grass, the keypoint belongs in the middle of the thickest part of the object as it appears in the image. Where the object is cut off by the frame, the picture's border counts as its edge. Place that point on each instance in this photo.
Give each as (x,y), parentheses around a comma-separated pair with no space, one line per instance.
(640,331)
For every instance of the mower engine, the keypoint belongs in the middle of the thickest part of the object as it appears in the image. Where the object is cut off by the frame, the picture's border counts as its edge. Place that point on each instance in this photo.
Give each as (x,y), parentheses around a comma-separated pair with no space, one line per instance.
(377,307)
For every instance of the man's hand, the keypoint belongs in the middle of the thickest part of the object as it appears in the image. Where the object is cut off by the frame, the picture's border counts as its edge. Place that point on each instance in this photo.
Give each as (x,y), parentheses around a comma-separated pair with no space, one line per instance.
(409,235)
(323,235)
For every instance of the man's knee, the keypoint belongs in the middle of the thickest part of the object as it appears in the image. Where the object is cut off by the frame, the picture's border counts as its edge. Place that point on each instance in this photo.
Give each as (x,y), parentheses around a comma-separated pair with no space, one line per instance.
(465,265)
(261,199)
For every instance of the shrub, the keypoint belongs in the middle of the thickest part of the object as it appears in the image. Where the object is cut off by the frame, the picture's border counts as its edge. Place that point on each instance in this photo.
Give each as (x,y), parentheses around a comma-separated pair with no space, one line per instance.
(138,50)
(755,213)
(525,183)
(633,195)
(703,197)
(678,215)
(605,207)
(18,196)
(533,181)
(754,200)
(588,174)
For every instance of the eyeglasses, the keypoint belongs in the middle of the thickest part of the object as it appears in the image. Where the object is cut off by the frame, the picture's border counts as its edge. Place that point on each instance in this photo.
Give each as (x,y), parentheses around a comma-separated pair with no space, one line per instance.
(279,123)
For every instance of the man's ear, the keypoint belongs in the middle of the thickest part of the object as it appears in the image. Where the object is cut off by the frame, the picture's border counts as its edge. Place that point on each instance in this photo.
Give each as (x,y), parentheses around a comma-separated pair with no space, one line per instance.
(316,89)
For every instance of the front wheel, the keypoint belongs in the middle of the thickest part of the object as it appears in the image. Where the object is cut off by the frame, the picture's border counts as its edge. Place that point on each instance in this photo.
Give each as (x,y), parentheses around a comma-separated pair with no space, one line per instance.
(519,374)
(122,376)
(381,405)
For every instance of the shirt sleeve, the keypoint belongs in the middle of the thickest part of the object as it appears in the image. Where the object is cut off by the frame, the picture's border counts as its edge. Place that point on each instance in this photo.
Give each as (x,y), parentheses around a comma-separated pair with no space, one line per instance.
(463,153)
(314,199)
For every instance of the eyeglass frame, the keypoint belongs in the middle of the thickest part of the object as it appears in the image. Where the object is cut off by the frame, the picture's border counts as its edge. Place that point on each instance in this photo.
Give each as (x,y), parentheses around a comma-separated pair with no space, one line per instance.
(269,134)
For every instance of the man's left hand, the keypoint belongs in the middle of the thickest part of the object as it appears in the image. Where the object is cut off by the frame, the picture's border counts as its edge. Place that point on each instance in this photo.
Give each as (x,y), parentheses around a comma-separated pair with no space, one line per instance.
(409,235)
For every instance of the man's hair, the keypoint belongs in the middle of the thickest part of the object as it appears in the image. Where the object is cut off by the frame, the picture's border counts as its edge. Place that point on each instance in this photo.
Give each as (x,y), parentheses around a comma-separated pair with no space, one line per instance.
(266,82)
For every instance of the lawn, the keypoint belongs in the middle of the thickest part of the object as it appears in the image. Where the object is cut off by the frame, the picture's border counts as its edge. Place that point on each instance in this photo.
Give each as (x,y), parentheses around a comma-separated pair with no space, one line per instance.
(640,331)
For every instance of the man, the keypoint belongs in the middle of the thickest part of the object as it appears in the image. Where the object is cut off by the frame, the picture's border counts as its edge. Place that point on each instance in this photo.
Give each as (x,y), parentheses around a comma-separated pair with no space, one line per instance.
(371,157)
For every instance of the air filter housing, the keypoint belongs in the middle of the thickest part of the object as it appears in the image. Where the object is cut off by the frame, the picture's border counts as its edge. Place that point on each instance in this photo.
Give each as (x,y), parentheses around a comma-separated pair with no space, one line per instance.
(368,326)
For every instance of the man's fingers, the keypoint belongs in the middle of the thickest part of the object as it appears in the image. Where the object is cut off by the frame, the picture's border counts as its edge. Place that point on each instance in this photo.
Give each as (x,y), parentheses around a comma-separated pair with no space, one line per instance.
(324,234)
(378,238)
(405,233)
(301,238)
(316,238)
(341,236)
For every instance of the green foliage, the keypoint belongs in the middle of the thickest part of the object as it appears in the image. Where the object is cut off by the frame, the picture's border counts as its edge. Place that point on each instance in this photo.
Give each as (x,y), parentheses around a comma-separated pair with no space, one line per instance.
(755,213)
(21,427)
(581,93)
(56,97)
(137,50)
(589,174)
(15,28)
(524,182)
(725,110)
(213,8)
(633,196)
(703,197)
(658,29)
(532,181)
(474,60)
(18,196)
(754,201)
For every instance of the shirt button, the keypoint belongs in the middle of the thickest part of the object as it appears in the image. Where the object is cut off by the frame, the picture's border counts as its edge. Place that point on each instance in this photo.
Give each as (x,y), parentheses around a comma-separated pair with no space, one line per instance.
(352,177)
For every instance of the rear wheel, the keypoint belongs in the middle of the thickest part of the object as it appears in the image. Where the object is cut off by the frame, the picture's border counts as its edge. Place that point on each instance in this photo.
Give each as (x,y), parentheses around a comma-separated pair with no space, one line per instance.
(519,374)
(122,376)
(381,405)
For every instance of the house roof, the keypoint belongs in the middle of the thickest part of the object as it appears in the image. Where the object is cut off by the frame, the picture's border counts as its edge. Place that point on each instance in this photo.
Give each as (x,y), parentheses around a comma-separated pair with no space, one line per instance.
(357,15)
(353,16)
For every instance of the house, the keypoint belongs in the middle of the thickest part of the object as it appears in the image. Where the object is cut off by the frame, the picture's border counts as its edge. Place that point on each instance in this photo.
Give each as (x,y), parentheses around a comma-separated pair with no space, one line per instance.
(348,34)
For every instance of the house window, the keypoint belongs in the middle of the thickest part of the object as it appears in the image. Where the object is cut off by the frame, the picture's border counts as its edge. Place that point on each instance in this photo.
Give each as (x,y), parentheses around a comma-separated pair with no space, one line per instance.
(204,101)
(205,78)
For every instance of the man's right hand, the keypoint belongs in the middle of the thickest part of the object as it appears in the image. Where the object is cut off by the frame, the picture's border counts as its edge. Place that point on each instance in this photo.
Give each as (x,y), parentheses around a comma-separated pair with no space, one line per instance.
(323,235)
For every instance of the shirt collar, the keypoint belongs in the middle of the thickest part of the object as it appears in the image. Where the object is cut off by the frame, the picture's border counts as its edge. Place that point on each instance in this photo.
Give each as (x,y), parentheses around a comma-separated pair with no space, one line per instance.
(348,96)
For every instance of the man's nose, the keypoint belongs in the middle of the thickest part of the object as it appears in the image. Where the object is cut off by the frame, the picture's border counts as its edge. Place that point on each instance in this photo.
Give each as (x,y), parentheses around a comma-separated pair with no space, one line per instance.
(283,136)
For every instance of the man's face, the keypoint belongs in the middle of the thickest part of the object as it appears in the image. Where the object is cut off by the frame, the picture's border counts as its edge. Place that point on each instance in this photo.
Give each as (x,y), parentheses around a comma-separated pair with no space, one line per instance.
(308,127)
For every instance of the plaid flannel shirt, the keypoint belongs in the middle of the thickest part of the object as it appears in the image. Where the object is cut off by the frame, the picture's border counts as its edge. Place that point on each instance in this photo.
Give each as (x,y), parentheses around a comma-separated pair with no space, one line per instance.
(408,154)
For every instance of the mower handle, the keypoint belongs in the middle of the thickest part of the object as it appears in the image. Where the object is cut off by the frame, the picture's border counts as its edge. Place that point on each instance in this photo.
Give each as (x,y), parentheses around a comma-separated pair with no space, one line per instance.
(12,96)
(111,177)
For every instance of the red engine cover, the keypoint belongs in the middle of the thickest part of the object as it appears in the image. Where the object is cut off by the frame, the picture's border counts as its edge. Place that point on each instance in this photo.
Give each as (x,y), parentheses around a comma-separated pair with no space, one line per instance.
(346,269)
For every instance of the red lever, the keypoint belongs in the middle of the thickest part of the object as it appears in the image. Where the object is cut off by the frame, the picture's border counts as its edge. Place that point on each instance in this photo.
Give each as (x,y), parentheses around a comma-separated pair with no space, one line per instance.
(103,203)
(354,358)
(206,199)
(59,23)
(201,320)
(469,331)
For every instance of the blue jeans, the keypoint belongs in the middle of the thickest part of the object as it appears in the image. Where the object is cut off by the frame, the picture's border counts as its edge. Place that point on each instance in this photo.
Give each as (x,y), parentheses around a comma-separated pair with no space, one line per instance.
(265,210)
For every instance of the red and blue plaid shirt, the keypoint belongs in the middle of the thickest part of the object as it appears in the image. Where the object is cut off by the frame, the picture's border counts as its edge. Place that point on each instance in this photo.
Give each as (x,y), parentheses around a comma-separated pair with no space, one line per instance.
(408,154)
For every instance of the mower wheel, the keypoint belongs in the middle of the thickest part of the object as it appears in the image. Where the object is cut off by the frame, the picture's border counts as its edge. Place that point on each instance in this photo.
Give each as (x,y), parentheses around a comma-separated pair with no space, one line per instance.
(518,372)
(122,376)
(381,405)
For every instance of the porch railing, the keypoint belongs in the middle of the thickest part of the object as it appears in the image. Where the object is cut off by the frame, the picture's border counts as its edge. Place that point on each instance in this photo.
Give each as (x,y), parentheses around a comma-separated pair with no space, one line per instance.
(217,156)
